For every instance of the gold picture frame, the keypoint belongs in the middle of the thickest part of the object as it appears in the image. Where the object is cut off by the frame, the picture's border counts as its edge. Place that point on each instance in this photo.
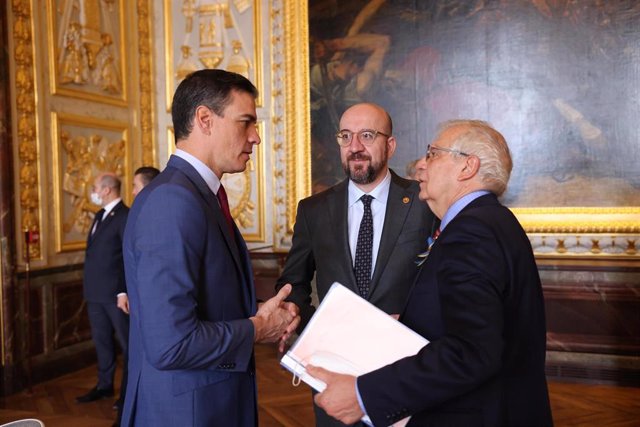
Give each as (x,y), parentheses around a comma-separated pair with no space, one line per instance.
(174,14)
(81,148)
(562,230)
(87,53)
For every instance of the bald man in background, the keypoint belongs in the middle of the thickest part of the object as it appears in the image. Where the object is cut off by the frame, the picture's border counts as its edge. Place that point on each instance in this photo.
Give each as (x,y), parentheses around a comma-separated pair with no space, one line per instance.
(103,280)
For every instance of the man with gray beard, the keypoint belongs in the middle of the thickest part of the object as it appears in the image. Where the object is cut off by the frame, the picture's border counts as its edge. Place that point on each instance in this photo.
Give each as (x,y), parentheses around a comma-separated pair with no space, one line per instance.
(365,232)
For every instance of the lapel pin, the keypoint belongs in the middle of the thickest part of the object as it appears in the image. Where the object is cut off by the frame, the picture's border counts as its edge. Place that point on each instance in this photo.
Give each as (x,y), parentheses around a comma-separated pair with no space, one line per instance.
(405,200)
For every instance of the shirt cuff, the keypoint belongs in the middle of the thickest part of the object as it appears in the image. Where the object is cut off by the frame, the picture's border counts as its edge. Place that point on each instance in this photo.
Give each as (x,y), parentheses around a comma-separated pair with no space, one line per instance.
(366,418)
(121,294)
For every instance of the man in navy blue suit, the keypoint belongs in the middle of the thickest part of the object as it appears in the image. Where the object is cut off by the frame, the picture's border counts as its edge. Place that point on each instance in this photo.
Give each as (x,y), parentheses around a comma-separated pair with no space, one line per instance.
(477,299)
(194,318)
(103,281)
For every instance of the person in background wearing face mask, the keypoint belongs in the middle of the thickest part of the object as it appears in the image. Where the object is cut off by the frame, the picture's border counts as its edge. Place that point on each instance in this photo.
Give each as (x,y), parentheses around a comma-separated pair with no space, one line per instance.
(103,280)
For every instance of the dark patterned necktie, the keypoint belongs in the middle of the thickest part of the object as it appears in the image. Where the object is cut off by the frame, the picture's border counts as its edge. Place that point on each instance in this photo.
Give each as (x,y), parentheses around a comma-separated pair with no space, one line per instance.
(224,205)
(96,221)
(364,248)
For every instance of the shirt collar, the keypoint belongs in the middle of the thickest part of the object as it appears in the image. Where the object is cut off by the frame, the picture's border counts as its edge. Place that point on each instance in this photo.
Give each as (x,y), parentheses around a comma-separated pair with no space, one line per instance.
(380,193)
(109,206)
(203,170)
(460,204)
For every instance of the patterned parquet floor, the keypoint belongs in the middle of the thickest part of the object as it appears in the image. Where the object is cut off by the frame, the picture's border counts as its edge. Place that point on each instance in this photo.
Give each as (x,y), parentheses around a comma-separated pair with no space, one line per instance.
(281,404)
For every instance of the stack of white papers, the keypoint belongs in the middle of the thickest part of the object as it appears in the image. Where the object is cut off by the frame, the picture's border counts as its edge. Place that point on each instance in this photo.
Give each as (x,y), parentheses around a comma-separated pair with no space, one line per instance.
(349,335)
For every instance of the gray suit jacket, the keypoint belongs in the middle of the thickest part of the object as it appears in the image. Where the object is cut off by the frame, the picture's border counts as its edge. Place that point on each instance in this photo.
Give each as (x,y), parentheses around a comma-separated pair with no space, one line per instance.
(321,246)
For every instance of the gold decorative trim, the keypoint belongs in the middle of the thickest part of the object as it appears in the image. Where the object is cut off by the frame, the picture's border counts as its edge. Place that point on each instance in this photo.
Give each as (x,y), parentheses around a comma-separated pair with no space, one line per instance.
(147,116)
(26,119)
(253,173)
(169,53)
(297,108)
(56,89)
(57,119)
(281,240)
(579,219)
(257,50)
(586,246)
(171,144)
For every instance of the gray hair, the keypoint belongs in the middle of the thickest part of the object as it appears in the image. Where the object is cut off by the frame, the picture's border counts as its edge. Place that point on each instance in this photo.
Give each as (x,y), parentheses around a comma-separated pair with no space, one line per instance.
(487,144)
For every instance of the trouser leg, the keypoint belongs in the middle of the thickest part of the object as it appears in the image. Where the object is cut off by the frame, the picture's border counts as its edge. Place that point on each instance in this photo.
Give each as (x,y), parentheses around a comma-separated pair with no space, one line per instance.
(102,335)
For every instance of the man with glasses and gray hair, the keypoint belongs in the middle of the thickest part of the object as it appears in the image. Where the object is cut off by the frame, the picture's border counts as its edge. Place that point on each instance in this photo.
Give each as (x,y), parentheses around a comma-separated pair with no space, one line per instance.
(366,231)
(477,299)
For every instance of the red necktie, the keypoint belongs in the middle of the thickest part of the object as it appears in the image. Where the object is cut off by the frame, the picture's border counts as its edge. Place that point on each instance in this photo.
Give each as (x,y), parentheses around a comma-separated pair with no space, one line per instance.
(224,205)
(436,234)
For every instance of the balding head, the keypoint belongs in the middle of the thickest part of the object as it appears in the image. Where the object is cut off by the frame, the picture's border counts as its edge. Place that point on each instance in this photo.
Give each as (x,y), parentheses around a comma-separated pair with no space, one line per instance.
(107,186)
(374,111)
(366,144)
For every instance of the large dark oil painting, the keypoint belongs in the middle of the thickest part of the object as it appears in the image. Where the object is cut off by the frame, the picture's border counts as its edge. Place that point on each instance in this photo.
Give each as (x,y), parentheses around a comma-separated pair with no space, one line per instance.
(559,78)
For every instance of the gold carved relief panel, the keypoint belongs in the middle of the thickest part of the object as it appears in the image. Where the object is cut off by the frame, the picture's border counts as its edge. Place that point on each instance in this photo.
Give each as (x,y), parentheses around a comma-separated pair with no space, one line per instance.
(212,34)
(83,101)
(265,40)
(82,148)
(86,48)
(227,35)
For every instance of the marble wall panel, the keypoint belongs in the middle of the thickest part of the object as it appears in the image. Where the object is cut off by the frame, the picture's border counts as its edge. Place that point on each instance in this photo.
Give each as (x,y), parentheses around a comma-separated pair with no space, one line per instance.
(70,319)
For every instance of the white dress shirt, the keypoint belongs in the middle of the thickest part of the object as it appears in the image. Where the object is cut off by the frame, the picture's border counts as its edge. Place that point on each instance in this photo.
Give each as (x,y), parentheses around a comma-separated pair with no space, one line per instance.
(355,212)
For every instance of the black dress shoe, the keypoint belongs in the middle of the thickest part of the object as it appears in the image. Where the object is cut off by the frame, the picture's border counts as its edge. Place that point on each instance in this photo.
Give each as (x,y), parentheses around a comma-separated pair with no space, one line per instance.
(95,394)
(116,405)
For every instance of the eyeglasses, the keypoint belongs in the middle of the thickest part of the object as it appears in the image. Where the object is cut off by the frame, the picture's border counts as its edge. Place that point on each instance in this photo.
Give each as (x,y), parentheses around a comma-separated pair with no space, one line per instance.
(432,150)
(365,136)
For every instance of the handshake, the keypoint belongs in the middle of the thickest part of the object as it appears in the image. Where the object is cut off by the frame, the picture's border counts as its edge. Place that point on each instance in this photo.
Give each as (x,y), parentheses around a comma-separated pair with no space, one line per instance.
(276,319)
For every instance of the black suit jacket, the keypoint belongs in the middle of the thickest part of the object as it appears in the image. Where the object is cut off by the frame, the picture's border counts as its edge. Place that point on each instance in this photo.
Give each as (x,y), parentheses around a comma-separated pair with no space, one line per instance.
(103,264)
(478,300)
(321,246)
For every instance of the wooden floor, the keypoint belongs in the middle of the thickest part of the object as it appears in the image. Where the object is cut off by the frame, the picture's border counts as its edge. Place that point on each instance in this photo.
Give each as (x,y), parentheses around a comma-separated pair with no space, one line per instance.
(281,404)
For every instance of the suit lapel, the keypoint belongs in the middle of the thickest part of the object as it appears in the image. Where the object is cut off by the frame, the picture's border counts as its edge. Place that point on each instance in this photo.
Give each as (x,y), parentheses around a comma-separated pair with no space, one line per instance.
(211,201)
(337,202)
(104,223)
(399,203)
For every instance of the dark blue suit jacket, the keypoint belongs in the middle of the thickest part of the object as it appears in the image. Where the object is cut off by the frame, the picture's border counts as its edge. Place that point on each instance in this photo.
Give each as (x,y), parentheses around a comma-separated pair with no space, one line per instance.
(103,266)
(191,294)
(478,300)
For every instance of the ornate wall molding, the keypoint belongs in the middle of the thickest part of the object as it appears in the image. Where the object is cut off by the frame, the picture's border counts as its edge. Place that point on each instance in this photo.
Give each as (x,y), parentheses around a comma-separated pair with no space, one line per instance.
(104,32)
(147,116)
(290,120)
(82,147)
(27,126)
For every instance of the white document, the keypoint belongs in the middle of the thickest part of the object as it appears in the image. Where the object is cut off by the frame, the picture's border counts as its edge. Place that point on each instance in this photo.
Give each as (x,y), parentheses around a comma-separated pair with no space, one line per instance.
(349,335)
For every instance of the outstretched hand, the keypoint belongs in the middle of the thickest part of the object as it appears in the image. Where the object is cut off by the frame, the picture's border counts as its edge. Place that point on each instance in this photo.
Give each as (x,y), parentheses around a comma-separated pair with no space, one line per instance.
(276,319)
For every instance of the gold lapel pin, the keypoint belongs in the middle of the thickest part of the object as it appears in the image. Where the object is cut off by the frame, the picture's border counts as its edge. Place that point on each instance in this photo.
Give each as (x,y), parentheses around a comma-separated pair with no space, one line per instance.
(406,200)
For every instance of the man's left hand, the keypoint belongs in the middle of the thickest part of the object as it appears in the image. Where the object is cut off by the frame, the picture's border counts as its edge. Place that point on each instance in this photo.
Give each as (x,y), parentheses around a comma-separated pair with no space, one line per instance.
(339,399)
(123,303)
